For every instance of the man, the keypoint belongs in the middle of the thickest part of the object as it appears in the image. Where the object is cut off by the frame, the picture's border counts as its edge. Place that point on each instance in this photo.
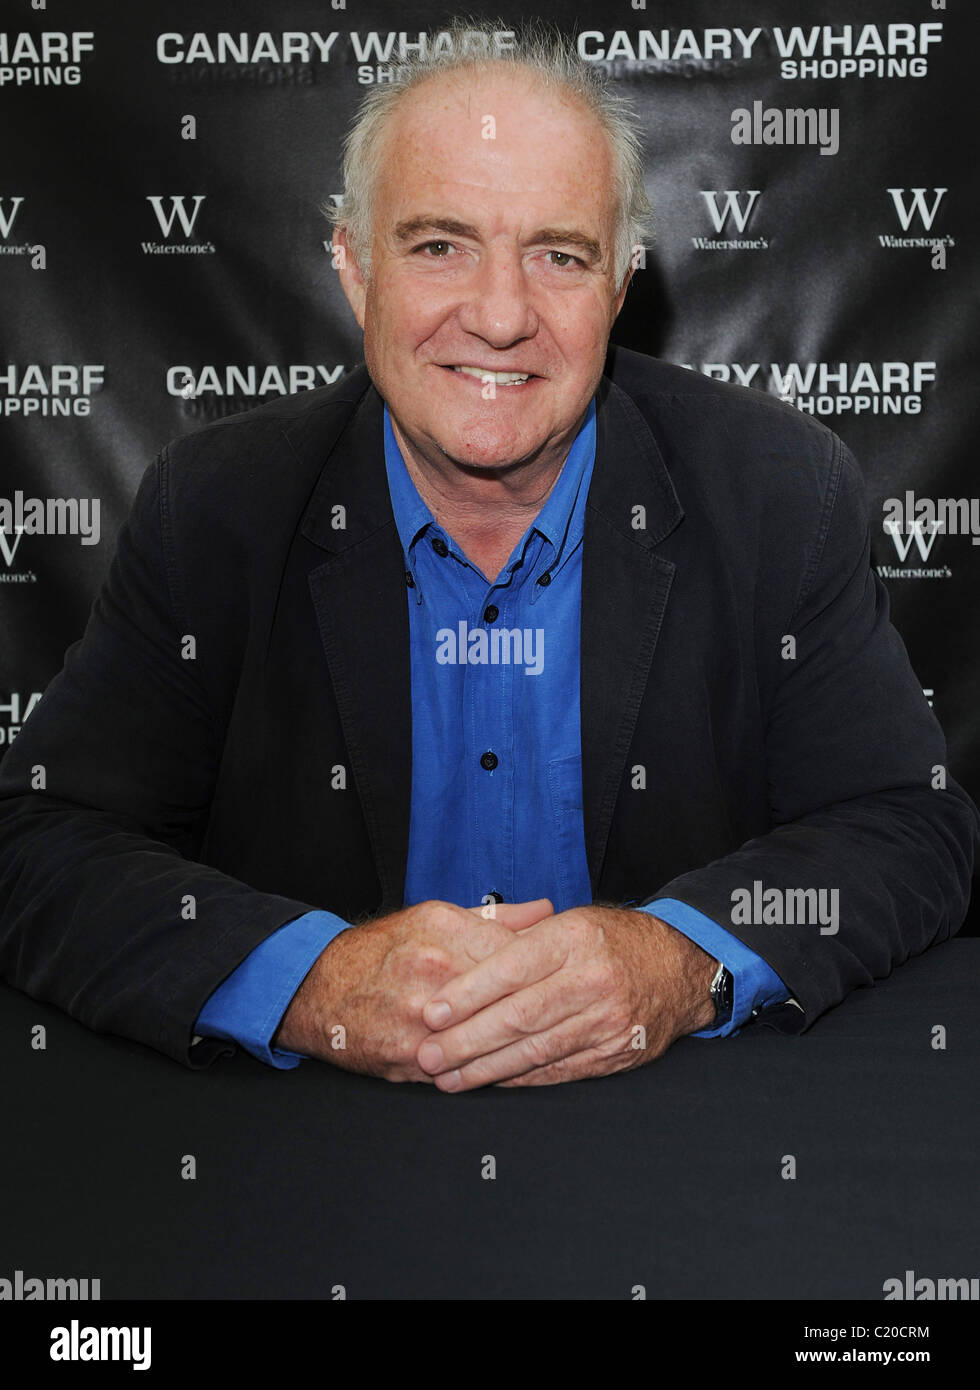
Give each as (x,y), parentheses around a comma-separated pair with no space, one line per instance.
(581,688)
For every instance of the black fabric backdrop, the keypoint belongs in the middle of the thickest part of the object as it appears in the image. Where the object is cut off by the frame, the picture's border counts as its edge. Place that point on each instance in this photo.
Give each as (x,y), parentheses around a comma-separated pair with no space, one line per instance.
(159,229)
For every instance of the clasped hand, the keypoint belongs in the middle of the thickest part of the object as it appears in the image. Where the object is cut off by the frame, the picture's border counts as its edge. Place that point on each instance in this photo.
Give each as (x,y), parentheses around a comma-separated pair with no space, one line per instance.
(511,994)
(575,994)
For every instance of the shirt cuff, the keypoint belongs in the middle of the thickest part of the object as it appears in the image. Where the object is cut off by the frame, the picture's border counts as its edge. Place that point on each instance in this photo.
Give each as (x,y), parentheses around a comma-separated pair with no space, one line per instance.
(247,1008)
(756,984)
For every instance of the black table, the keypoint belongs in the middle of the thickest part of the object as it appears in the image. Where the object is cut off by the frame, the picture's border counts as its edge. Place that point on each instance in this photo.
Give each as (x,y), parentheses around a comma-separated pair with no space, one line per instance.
(317,1182)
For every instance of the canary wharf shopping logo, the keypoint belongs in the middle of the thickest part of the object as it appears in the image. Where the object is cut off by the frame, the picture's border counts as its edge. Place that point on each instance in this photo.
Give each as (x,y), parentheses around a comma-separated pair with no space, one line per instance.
(211,391)
(381,56)
(63,388)
(268,58)
(48,59)
(828,51)
(730,210)
(825,51)
(833,388)
(14,712)
(175,213)
(264,58)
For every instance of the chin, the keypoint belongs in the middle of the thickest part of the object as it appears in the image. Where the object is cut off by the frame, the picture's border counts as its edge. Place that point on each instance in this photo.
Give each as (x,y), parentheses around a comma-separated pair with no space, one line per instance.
(486,451)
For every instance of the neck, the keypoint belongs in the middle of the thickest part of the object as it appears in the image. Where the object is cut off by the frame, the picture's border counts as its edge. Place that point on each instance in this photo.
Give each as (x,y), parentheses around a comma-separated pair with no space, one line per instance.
(481,501)
(486,512)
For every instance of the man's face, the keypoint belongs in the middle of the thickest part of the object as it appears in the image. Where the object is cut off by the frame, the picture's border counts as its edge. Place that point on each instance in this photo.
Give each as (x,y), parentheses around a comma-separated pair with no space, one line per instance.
(494,255)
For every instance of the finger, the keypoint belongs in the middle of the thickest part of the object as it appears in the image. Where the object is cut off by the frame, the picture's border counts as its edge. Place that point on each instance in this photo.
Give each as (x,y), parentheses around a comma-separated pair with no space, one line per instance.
(551,1051)
(529,957)
(515,916)
(579,1067)
(518,1016)
(482,937)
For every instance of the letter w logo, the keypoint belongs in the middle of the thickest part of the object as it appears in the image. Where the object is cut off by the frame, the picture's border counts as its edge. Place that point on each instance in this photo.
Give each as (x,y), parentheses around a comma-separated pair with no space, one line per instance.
(7,222)
(10,551)
(177,211)
(914,533)
(733,206)
(905,214)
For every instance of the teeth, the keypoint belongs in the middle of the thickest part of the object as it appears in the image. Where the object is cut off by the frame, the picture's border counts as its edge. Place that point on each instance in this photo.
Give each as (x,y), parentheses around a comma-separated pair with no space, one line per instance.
(499,378)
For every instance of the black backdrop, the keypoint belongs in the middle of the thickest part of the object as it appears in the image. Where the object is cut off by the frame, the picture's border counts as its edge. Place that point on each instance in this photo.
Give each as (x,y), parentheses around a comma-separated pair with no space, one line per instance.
(163,261)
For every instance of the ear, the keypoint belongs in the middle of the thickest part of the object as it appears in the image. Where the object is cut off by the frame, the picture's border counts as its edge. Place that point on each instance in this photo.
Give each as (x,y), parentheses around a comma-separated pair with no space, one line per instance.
(621,292)
(351,279)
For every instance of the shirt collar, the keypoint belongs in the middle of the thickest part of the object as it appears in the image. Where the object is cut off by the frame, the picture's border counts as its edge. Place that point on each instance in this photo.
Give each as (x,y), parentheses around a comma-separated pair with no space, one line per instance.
(412,516)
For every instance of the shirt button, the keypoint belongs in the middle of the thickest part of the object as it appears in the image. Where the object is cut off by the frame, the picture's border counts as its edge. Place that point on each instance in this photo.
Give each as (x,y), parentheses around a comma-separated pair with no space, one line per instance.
(545,580)
(491,613)
(409,580)
(440,546)
(489,761)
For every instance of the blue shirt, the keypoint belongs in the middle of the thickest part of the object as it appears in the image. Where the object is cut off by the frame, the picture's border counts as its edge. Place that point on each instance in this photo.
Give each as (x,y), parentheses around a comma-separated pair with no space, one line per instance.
(496,752)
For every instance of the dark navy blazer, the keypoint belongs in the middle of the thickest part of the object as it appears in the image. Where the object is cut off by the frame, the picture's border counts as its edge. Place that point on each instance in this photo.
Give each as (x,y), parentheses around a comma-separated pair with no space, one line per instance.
(167,805)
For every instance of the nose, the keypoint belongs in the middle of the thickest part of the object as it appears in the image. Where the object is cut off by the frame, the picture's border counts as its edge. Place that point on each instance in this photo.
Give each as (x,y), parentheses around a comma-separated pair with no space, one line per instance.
(497,305)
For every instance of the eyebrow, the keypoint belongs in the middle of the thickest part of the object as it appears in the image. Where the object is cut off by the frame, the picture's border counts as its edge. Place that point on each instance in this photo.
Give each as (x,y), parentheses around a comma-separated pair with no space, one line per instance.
(412,227)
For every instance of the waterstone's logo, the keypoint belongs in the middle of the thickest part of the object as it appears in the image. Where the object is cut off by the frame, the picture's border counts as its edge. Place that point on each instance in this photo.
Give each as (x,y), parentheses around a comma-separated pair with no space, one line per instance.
(169,211)
(8,216)
(916,212)
(22,516)
(738,206)
(913,521)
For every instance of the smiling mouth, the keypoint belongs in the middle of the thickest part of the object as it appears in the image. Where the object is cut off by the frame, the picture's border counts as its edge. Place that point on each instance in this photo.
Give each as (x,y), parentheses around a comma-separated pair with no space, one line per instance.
(485,374)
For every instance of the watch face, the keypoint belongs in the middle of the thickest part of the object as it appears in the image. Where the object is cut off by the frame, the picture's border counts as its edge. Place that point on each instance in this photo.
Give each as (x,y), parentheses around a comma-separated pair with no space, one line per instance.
(722,991)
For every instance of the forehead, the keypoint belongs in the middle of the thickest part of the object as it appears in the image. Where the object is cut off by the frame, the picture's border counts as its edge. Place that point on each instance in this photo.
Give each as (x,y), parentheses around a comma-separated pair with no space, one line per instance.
(500,141)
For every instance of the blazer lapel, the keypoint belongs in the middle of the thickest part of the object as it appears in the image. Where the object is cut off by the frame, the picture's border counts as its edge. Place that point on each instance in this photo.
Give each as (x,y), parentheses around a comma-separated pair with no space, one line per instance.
(359,597)
(625,587)
(361,609)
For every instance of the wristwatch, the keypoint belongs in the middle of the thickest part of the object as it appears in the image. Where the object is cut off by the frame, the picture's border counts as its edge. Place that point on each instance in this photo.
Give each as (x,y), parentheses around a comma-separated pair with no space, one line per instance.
(723,995)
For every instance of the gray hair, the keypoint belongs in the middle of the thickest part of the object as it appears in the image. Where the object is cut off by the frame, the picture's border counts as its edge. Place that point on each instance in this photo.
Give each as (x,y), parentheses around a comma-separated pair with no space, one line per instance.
(474,44)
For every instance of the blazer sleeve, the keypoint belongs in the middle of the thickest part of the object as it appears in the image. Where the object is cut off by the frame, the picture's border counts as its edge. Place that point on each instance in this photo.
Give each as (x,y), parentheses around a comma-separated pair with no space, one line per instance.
(104,801)
(861,799)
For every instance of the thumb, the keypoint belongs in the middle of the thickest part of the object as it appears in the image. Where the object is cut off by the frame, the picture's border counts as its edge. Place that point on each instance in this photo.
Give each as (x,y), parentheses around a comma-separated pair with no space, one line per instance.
(516,916)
